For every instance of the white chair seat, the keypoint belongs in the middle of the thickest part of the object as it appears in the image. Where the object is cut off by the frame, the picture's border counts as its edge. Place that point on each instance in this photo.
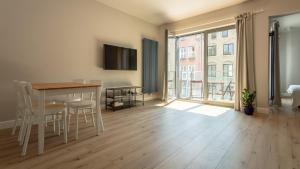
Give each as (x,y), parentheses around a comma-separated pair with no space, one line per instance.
(83,104)
(50,108)
(65,99)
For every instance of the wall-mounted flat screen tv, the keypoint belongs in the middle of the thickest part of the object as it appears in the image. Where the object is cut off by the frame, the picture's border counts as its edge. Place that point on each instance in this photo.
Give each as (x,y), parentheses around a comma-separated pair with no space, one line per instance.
(119,58)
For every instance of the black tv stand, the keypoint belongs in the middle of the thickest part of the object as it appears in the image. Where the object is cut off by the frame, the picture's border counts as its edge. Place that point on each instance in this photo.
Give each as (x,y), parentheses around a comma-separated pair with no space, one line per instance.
(117,98)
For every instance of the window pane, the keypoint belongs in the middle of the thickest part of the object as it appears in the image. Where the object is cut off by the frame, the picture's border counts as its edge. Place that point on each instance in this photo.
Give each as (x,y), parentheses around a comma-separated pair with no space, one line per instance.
(228,49)
(212,50)
(221,76)
(225,34)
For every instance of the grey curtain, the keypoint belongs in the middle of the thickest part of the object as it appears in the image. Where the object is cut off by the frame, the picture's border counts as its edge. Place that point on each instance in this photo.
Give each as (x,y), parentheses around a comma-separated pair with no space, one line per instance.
(150,52)
(245,75)
(165,80)
(274,65)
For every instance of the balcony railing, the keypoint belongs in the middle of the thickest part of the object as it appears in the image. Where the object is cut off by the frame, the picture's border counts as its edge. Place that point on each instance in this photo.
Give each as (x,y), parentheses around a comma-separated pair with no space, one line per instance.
(194,89)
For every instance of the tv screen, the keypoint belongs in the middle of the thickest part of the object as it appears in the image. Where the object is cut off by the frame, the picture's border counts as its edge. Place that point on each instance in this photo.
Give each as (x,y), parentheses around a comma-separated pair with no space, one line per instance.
(119,58)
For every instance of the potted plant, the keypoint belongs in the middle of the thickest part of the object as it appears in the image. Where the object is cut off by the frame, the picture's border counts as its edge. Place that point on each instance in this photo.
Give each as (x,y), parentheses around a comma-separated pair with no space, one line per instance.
(247,100)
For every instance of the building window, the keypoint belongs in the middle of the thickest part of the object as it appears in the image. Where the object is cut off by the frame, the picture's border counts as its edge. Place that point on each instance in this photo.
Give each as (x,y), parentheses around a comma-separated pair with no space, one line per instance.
(228,49)
(225,34)
(212,50)
(181,52)
(212,70)
(227,70)
(190,51)
(184,76)
(213,35)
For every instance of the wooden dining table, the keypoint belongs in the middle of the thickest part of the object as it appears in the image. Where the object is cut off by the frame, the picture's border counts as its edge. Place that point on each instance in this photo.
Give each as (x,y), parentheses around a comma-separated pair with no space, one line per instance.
(44,90)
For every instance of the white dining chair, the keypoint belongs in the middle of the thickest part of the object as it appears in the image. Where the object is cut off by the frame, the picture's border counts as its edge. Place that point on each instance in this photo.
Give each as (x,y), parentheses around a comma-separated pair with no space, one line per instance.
(88,103)
(19,106)
(20,112)
(32,115)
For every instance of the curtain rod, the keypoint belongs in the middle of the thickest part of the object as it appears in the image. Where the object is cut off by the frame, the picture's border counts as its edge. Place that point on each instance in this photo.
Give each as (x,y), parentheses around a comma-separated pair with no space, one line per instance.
(225,19)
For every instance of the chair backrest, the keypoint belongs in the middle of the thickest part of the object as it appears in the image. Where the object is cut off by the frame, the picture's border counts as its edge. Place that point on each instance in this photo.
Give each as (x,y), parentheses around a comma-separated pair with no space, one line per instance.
(79,94)
(20,101)
(79,80)
(97,82)
(29,96)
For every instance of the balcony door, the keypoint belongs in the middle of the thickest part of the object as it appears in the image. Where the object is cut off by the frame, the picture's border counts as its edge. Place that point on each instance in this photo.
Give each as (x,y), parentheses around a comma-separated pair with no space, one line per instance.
(221,45)
(201,66)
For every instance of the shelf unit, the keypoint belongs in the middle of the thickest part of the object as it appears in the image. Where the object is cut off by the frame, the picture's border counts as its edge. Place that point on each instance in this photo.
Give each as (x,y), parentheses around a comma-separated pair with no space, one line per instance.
(117,98)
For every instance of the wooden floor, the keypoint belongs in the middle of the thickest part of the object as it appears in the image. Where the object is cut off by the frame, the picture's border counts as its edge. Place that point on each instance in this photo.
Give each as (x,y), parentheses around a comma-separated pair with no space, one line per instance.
(178,136)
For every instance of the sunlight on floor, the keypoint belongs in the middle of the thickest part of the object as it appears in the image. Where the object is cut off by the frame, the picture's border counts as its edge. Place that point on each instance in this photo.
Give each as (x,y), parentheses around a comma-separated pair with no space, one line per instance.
(209,110)
(197,108)
(181,105)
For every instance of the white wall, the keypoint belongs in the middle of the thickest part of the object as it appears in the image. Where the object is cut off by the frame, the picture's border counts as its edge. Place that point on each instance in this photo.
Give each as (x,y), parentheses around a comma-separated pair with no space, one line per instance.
(289,46)
(61,40)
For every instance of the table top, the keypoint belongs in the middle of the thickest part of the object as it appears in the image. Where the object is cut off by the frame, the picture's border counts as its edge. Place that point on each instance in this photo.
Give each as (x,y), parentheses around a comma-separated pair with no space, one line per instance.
(62,85)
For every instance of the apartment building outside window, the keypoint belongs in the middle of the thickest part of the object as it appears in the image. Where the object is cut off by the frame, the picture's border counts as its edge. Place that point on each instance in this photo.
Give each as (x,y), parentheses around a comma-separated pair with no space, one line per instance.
(228,49)
(212,50)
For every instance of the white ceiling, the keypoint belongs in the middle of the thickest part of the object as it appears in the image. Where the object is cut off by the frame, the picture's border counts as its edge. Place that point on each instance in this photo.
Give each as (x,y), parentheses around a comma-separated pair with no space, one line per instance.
(165,11)
(289,22)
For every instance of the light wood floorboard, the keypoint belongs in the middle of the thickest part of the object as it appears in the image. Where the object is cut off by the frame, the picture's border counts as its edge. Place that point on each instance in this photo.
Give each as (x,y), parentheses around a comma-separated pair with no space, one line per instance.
(181,135)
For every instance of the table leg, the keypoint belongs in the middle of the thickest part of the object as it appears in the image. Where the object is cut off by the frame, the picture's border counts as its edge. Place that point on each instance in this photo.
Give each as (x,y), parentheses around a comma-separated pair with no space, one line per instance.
(99,122)
(41,129)
(66,125)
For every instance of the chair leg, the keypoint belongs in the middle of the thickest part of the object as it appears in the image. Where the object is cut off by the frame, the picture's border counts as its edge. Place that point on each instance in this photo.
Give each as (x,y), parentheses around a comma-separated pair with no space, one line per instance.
(101,121)
(22,131)
(93,118)
(54,121)
(15,127)
(85,119)
(69,116)
(65,126)
(46,120)
(27,136)
(77,120)
(58,121)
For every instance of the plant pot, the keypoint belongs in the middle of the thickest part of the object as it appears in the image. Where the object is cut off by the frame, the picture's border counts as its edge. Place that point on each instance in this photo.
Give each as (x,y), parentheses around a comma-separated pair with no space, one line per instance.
(249,110)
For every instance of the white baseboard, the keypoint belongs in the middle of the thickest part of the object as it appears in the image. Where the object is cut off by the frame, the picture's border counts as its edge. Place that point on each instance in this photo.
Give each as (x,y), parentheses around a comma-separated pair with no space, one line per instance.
(264,110)
(7,124)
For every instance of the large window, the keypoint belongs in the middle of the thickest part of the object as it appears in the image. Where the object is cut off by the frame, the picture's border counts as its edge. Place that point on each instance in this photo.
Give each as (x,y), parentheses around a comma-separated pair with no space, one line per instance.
(228,49)
(212,70)
(212,50)
(227,70)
